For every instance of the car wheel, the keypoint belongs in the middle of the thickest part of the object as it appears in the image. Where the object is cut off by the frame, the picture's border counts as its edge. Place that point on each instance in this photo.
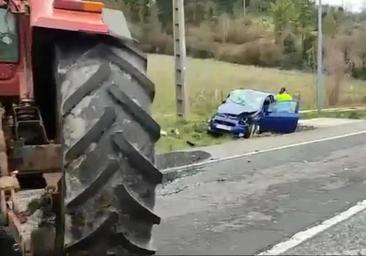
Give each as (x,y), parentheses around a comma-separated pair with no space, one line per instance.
(249,131)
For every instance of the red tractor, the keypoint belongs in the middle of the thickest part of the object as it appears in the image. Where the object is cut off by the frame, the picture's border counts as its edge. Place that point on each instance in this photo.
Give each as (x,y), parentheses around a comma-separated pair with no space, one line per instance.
(76,137)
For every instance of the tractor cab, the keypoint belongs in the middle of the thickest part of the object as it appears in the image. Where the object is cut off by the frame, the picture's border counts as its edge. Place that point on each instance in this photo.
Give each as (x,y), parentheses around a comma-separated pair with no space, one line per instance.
(9,52)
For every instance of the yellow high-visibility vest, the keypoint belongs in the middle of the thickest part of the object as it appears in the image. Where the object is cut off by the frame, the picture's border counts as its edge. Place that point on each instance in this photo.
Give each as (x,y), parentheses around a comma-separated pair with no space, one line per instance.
(283,97)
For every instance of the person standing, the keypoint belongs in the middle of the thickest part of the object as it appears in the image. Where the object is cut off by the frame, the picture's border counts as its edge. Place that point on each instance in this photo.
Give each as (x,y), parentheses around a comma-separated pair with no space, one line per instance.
(283,95)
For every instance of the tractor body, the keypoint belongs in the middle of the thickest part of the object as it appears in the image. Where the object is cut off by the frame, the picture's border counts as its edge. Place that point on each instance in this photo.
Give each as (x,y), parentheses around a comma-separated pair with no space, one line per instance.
(24,17)
(35,187)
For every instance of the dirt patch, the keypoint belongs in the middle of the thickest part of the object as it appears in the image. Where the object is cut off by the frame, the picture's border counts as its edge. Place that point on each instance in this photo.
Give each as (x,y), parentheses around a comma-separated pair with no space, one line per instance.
(303,128)
(177,159)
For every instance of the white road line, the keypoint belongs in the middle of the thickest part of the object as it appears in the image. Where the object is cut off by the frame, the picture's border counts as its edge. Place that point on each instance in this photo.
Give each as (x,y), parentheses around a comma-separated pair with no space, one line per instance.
(213,161)
(303,236)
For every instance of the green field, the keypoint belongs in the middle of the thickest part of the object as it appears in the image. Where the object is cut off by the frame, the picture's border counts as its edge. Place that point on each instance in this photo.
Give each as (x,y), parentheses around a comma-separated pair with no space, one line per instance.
(210,81)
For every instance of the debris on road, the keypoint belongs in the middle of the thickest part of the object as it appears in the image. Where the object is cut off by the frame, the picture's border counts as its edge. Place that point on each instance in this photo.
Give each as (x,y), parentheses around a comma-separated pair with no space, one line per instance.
(192,144)
(221,180)
(175,132)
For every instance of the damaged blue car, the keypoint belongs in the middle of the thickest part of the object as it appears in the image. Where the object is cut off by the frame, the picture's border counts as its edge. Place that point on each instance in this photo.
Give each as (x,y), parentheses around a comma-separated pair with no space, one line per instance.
(246,112)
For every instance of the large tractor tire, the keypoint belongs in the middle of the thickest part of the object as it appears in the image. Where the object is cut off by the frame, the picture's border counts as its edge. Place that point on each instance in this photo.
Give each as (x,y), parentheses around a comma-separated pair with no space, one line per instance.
(108,141)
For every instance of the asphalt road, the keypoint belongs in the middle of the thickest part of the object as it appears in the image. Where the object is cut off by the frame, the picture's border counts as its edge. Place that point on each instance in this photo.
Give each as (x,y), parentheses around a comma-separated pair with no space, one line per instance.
(346,238)
(247,205)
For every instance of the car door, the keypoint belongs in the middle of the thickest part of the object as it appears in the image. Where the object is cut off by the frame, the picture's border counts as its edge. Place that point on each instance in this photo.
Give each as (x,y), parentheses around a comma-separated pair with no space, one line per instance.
(281,117)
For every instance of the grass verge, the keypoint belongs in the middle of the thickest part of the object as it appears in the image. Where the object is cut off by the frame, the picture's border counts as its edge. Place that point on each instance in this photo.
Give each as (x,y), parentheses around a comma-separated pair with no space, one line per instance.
(352,114)
(210,81)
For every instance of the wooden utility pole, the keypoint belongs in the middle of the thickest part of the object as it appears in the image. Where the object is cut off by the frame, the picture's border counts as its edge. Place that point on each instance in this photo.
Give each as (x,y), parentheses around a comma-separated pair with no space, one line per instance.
(320,79)
(244,7)
(180,59)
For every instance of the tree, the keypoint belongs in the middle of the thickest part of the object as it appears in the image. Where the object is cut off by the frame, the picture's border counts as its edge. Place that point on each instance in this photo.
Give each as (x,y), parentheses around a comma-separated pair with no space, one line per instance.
(306,17)
(305,23)
(135,10)
(226,6)
(260,6)
(165,13)
(198,11)
(330,25)
(284,16)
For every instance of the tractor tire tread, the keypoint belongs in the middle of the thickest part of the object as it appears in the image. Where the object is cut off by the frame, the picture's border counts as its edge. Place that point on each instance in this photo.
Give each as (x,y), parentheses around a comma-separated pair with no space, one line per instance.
(136,159)
(93,236)
(135,110)
(95,185)
(89,86)
(110,174)
(142,79)
(105,122)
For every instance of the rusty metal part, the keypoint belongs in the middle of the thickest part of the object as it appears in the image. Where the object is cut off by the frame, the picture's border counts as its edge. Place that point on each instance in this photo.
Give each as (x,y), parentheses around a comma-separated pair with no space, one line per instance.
(42,241)
(3,155)
(24,198)
(28,124)
(3,207)
(8,186)
(28,226)
(52,180)
(3,162)
(36,159)
(22,236)
(34,230)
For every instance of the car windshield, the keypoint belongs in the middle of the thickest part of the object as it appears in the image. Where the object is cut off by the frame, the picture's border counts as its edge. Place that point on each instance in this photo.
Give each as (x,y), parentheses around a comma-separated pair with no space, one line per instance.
(251,98)
(8,37)
(283,107)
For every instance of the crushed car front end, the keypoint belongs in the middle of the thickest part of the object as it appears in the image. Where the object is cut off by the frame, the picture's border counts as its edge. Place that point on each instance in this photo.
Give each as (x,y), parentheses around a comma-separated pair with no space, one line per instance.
(226,123)
(239,114)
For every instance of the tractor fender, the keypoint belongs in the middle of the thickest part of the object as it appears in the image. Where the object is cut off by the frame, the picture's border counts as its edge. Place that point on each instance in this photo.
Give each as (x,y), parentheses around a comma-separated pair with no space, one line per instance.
(117,24)
(109,22)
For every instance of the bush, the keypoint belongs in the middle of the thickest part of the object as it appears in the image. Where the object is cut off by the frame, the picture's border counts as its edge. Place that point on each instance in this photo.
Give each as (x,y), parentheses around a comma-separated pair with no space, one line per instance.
(151,35)
(157,42)
(292,55)
(237,31)
(359,73)
(238,41)
(260,52)
(291,61)
(200,41)
(205,101)
(240,34)
(199,51)
(270,54)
